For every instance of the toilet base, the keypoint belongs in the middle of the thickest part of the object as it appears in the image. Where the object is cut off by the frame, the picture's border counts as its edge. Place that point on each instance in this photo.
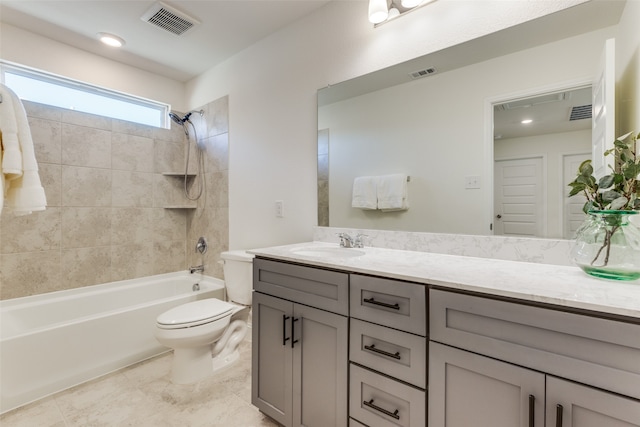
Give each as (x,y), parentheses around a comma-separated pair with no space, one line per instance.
(191,365)
(222,362)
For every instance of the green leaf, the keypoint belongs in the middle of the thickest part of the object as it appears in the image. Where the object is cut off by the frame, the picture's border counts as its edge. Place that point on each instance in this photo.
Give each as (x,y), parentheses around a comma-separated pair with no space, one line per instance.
(583,180)
(576,190)
(606,181)
(619,203)
(585,168)
(631,171)
(589,206)
(610,195)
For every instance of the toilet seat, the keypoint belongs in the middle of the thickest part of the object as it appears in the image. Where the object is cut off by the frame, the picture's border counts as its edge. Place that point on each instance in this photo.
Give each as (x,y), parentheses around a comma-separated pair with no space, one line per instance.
(194,313)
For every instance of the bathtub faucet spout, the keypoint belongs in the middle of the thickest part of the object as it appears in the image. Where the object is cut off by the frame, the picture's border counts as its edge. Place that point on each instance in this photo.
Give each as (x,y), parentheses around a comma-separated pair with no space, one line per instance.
(196,268)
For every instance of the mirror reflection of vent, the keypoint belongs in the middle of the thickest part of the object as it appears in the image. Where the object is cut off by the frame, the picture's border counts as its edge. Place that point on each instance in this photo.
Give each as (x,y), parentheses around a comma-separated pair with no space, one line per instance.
(580,112)
(169,19)
(422,73)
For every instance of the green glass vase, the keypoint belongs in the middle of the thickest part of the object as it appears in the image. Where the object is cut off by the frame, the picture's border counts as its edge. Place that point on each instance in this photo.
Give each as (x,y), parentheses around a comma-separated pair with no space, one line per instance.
(607,245)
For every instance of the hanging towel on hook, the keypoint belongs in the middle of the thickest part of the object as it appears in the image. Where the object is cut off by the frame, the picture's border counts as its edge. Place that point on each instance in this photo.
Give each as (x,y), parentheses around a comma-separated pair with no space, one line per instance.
(22,190)
(393,192)
(364,192)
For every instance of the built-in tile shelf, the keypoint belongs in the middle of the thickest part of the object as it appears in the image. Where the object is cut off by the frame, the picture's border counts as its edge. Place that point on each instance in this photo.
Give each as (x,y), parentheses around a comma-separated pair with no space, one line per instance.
(180,207)
(178,174)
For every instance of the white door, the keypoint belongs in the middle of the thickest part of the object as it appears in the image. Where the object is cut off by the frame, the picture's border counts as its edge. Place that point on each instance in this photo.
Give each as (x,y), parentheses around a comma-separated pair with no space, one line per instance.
(519,197)
(572,215)
(603,115)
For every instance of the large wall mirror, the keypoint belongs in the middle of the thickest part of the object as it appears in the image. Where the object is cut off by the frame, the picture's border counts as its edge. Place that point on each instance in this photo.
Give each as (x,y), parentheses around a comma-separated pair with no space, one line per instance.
(451,121)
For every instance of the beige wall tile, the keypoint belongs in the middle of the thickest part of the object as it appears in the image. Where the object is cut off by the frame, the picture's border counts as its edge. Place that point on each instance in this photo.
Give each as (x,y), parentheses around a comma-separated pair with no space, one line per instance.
(30,273)
(169,191)
(85,227)
(133,153)
(132,225)
(51,180)
(86,266)
(132,189)
(131,261)
(85,119)
(168,156)
(169,256)
(217,153)
(86,186)
(47,140)
(84,146)
(217,116)
(217,189)
(169,224)
(42,111)
(39,231)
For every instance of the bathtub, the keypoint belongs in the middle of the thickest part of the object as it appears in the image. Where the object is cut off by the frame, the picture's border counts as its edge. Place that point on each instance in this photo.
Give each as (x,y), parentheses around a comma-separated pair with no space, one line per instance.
(53,341)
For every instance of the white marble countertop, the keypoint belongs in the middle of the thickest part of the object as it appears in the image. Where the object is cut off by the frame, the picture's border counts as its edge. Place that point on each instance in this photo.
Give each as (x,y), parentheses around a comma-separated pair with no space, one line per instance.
(550,284)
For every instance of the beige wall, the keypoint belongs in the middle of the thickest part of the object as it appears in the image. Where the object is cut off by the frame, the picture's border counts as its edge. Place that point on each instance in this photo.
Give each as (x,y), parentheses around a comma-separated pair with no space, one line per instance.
(105,219)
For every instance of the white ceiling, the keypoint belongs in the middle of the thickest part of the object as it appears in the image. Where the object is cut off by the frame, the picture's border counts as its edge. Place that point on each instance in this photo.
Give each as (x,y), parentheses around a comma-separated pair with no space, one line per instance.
(227,27)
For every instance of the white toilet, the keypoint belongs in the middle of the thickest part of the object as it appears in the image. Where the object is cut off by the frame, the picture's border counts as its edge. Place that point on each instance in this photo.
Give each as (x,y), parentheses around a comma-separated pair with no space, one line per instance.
(191,329)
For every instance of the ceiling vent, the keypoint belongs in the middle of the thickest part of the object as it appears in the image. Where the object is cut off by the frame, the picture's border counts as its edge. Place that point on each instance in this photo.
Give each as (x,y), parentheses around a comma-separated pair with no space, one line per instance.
(580,112)
(423,73)
(169,19)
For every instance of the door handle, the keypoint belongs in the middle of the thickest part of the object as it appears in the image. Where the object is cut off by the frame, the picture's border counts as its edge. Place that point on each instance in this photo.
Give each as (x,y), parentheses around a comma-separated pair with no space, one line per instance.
(373,348)
(393,414)
(498,216)
(532,407)
(382,304)
(559,415)
(284,329)
(293,329)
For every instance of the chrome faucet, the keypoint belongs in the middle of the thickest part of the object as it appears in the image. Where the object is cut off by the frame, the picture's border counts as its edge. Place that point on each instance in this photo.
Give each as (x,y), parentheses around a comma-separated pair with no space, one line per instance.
(346,241)
(199,268)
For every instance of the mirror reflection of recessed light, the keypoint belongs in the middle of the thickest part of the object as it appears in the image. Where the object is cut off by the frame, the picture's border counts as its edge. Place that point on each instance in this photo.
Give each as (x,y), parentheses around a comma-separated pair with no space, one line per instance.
(111,40)
(526,121)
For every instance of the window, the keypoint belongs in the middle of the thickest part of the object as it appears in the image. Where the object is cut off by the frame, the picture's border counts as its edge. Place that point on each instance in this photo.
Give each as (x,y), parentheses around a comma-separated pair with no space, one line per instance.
(44,88)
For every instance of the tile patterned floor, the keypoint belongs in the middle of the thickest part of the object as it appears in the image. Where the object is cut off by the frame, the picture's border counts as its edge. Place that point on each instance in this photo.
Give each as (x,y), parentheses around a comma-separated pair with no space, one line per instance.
(143,395)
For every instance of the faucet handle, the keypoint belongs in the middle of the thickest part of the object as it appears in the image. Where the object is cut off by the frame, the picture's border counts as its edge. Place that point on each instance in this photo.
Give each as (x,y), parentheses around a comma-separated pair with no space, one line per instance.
(359,240)
(345,240)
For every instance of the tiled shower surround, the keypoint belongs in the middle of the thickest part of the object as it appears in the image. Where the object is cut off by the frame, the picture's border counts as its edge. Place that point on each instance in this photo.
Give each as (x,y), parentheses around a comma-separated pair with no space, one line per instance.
(106,193)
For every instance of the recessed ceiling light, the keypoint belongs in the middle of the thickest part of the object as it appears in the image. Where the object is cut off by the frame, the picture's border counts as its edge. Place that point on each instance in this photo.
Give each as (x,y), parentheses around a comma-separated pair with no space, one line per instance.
(111,40)
(526,121)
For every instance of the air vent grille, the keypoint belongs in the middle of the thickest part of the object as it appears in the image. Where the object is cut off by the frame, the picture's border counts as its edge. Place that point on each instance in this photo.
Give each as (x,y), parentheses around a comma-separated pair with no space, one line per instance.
(169,19)
(580,112)
(422,73)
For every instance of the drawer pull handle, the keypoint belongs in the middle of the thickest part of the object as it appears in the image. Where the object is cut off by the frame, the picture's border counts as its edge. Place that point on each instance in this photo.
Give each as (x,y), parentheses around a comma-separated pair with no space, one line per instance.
(532,406)
(379,409)
(373,348)
(293,333)
(559,415)
(383,304)
(284,329)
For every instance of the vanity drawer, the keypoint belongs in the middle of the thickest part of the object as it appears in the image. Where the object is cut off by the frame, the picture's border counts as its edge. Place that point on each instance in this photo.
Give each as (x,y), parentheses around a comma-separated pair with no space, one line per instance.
(600,352)
(398,354)
(324,289)
(355,423)
(376,400)
(393,303)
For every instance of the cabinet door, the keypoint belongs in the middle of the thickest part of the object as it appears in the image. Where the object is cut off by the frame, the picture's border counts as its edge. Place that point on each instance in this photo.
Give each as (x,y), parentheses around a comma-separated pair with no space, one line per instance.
(320,364)
(271,389)
(570,404)
(466,389)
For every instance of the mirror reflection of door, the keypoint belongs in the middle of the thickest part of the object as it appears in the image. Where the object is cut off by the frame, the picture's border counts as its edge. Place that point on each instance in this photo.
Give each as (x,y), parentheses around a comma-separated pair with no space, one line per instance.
(572,212)
(560,125)
(519,197)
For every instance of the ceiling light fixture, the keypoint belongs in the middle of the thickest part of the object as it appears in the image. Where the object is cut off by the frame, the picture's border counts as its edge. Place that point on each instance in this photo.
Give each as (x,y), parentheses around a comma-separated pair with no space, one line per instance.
(381,11)
(526,121)
(111,40)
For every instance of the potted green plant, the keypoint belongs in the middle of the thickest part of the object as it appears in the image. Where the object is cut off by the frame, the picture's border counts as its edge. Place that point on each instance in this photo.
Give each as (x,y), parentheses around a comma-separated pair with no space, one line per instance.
(607,244)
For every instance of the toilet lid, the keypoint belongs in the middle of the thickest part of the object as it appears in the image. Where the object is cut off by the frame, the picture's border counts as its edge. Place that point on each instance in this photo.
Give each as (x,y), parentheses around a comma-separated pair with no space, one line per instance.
(194,313)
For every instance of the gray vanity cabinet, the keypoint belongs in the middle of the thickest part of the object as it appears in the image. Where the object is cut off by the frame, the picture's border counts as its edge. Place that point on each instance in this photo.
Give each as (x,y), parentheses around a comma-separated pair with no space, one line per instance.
(496,363)
(300,352)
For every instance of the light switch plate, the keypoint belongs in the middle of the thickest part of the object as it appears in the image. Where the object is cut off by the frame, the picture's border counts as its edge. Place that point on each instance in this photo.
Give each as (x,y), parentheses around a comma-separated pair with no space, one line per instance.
(471,182)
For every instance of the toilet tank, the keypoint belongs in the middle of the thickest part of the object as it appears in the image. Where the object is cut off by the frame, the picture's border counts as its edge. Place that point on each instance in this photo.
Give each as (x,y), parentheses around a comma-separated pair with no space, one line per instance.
(238,275)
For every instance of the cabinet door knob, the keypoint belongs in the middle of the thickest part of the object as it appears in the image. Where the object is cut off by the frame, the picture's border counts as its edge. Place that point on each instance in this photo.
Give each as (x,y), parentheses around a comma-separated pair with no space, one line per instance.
(532,407)
(559,415)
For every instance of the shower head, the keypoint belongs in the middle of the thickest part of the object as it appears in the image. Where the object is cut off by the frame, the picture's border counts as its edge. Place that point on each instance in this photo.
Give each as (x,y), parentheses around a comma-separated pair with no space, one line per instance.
(182,120)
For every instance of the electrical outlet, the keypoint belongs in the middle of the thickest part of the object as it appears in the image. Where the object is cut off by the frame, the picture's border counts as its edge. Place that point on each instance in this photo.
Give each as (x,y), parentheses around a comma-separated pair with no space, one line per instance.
(471,182)
(279,208)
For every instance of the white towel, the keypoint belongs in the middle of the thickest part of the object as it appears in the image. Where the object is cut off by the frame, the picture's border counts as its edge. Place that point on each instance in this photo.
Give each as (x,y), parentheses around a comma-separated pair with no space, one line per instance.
(21,188)
(393,192)
(364,193)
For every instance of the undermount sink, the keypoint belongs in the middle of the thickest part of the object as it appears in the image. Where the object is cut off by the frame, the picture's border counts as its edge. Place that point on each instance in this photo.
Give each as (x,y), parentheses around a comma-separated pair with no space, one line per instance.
(329,252)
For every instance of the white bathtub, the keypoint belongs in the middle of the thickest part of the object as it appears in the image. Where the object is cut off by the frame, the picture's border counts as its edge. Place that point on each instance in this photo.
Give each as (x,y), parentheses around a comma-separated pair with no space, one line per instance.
(53,341)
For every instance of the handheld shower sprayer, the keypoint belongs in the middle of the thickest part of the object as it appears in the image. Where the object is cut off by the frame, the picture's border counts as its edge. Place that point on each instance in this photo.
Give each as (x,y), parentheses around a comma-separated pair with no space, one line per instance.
(182,121)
